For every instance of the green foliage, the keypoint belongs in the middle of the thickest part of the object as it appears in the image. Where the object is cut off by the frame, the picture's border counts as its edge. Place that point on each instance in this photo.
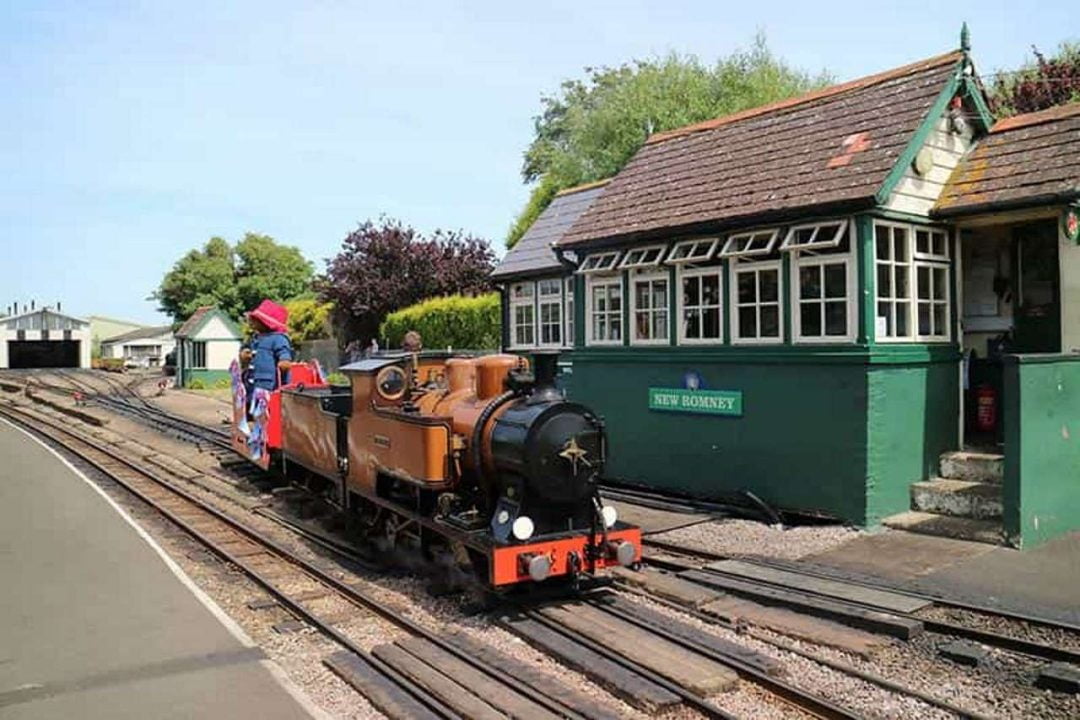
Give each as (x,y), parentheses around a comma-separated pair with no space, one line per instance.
(592,127)
(454,321)
(222,384)
(1043,82)
(196,384)
(235,279)
(336,378)
(309,319)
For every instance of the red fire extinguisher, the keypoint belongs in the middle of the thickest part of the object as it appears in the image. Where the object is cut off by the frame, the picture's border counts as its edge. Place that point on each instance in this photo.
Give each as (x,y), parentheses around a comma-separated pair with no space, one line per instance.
(985,408)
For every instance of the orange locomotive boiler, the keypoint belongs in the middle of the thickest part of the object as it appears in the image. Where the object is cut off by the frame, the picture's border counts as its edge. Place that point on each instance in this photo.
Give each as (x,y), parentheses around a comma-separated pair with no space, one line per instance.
(476,458)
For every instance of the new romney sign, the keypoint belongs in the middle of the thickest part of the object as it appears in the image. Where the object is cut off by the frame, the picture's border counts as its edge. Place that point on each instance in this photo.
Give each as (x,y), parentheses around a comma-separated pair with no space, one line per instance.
(707,402)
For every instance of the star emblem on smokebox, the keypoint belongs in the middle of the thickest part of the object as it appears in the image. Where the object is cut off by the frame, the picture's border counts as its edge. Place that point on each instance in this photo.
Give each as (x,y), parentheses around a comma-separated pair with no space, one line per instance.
(574,453)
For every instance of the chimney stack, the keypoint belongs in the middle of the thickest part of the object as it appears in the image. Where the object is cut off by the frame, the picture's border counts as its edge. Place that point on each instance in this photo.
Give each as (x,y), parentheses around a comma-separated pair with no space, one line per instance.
(57,306)
(31,304)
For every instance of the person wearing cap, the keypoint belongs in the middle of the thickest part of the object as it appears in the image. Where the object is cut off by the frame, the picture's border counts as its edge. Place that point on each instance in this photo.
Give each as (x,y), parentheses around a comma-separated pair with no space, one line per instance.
(269,350)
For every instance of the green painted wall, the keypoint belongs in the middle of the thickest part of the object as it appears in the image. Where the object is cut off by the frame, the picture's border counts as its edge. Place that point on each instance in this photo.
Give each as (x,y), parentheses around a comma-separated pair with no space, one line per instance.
(801,442)
(1041,407)
(912,417)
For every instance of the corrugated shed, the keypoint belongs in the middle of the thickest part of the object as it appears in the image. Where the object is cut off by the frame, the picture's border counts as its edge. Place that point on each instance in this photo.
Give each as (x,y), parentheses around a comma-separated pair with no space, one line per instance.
(532,255)
(1025,160)
(831,147)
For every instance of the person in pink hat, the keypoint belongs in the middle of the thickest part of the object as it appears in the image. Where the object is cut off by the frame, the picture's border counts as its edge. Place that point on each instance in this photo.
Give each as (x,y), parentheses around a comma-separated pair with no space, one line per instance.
(269,354)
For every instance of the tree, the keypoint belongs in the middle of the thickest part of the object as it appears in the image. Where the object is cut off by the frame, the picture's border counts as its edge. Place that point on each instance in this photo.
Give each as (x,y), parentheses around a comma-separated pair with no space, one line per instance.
(386,266)
(1041,83)
(592,127)
(309,319)
(235,279)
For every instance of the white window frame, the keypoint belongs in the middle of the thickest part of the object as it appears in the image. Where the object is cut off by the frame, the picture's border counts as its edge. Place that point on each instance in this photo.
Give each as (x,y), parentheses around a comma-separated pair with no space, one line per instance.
(815,242)
(552,299)
(803,256)
(514,304)
(931,255)
(729,251)
(913,263)
(636,257)
(685,272)
(690,257)
(642,277)
(591,282)
(603,262)
(733,301)
(569,321)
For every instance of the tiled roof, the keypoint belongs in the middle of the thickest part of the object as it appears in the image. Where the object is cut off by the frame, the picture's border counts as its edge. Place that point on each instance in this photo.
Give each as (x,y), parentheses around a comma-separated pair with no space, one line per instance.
(140,334)
(832,147)
(1025,160)
(192,323)
(532,254)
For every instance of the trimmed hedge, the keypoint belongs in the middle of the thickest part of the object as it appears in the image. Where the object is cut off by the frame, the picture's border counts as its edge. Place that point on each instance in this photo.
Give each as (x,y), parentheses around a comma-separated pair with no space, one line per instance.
(454,321)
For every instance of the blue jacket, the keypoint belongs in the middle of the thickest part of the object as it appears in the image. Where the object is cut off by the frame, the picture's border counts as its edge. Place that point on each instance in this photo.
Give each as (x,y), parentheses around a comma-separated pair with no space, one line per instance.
(267,351)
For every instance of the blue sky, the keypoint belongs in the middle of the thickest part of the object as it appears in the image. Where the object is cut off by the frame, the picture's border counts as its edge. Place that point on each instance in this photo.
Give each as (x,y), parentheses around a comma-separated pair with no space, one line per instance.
(132,132)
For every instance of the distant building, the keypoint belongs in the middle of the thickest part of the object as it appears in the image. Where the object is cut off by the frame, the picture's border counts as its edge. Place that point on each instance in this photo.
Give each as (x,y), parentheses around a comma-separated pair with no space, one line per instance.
(44,338)
(102,327)
(206,344)
(145,347)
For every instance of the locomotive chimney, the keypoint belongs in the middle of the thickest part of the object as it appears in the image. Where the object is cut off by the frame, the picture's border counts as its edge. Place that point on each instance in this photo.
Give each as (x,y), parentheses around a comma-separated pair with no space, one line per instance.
(545,367)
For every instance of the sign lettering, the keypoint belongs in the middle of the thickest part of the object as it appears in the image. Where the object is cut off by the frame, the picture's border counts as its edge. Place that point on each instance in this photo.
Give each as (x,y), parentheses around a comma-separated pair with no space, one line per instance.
(709,402)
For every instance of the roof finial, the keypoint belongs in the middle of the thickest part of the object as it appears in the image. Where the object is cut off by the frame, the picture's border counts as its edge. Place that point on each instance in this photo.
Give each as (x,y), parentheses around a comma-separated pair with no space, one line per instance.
(965,38)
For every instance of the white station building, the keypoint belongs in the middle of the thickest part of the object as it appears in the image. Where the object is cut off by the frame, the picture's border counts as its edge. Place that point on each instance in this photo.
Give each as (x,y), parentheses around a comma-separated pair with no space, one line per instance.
(44,338)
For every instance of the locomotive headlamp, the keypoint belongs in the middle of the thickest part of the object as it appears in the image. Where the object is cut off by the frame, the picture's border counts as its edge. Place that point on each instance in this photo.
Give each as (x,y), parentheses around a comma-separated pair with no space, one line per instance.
(523,528)
(610,515)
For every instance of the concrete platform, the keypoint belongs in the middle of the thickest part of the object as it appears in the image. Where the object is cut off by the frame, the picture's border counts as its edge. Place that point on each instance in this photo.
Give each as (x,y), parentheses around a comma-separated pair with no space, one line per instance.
(1043,581)
(98,624)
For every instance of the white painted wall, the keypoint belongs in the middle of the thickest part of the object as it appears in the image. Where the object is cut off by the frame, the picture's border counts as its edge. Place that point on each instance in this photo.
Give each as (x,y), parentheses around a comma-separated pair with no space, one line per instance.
(214,329)
(917,194)
(219,354)
(1069,263)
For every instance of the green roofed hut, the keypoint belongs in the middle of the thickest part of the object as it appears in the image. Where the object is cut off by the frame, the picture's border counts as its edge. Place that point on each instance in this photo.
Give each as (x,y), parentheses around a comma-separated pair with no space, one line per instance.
(206,344)
(813,299)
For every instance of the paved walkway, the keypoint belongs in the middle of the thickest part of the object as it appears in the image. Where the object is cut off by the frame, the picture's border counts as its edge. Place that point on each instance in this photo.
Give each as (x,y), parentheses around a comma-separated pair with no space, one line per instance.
(95,624)
(1043,581)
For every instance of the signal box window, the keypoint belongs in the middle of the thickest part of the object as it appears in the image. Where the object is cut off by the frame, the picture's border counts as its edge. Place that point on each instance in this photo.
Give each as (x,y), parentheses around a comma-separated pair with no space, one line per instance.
(522,314)
(650,308)
(551,302)
(604,311)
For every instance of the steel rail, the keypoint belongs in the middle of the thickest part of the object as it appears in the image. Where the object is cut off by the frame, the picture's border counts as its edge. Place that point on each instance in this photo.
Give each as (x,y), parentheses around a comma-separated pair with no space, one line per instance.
(358,597)
(803,700)
(1032,648)
(788,647)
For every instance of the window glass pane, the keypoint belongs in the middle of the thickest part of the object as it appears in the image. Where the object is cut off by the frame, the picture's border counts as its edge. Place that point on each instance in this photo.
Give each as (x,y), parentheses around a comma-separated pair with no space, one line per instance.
(941,284)
(810,282)
(810,319)
(924,319)
(883,312)
(923,283)
(884,281)
(922,241)
(692,324)
(938,243)
(836,318)
(615,295)
(770,321)
(616,328)
(691,291)
(711,324)
(903,327)
(881,234)
(641,299)
(659,298)
(901,277)
(770,285)
(835,281)
(747,287)
(941,322)
(710,290)
(747,322)
(900,245)
(659,326)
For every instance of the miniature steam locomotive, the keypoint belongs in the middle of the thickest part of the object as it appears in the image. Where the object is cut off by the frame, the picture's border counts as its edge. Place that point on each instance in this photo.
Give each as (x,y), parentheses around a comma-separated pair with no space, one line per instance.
(480,459)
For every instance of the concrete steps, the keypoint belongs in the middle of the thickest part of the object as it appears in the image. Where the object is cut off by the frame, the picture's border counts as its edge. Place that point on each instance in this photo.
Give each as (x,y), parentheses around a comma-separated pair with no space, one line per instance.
(965,502)
(960,528)
(958,498)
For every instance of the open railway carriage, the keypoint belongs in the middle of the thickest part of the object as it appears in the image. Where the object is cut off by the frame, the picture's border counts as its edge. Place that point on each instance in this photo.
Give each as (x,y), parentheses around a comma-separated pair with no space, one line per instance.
(474,459)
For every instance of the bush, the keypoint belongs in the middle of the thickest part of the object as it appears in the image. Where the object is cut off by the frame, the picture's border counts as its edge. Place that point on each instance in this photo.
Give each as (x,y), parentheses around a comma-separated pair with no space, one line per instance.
(222,384)
(453,321)
(197,384)
(336,378)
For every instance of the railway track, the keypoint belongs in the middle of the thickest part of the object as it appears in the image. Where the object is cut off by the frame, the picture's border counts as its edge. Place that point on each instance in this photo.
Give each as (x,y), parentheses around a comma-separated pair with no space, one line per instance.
(391,678)
(1040,650)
